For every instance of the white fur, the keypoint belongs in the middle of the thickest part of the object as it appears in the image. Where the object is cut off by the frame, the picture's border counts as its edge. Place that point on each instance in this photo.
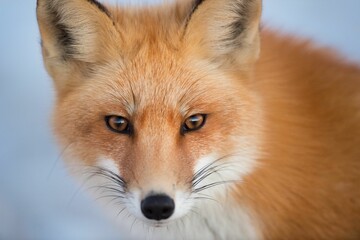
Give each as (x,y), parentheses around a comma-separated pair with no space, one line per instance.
(231,168)
(194,218)
(108,164)
(209,221)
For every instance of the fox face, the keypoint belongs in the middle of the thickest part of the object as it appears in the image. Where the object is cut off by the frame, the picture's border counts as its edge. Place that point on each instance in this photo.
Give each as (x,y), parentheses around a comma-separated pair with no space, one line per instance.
(151,102)
(173,117)
(163,133)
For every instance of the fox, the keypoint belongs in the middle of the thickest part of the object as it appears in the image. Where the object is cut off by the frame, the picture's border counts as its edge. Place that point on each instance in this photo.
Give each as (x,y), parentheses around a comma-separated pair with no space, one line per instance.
(193,120)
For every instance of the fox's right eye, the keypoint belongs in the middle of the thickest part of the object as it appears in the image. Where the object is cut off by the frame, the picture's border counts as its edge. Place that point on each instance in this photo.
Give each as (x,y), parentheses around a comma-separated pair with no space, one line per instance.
(118,124)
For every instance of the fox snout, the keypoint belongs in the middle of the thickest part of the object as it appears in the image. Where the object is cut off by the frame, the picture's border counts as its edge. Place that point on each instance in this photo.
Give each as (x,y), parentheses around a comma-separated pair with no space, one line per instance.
(157,207)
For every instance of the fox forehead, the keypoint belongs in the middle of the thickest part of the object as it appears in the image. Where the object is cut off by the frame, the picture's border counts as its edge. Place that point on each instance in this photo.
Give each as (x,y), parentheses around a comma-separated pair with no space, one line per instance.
(141,86)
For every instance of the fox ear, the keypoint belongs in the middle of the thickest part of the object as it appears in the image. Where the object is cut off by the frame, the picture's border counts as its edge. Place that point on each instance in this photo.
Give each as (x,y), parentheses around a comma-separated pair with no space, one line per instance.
(74,34)
(74,29)
(224,31)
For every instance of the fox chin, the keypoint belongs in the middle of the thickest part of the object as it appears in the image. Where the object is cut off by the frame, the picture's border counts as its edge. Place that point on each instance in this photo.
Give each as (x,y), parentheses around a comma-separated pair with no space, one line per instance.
(189,121)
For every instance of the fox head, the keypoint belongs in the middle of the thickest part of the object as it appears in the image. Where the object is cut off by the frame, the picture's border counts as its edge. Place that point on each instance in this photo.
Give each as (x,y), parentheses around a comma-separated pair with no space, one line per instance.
(155,102)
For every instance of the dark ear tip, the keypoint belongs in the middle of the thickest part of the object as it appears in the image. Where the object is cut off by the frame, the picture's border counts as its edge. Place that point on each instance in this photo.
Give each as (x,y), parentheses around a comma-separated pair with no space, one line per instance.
(101,7)
(194,7)
(38,3)
(196,4)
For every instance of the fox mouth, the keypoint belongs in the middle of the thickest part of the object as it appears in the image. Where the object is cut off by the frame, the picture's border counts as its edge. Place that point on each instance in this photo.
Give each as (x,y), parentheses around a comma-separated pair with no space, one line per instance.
(158,209)
(158,224)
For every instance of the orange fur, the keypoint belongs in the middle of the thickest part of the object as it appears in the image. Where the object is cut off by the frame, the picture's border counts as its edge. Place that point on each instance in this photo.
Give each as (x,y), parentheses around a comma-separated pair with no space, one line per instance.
(156,66)
(308,186)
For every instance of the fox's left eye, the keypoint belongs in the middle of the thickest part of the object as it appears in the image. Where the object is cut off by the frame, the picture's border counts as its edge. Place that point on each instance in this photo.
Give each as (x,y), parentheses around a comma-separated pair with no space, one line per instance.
(193,123)
(118,124)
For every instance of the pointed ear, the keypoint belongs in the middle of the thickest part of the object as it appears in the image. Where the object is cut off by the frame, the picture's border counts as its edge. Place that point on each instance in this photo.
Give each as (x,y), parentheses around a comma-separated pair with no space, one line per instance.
(74,34)
(75,29)
(224,31)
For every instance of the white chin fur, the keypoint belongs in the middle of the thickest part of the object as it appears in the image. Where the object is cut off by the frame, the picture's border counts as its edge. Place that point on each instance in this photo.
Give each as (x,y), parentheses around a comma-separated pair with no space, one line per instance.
(195,217)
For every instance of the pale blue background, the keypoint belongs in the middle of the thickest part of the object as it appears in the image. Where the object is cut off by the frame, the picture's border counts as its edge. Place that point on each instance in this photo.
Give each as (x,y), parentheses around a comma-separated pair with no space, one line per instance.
(37,199)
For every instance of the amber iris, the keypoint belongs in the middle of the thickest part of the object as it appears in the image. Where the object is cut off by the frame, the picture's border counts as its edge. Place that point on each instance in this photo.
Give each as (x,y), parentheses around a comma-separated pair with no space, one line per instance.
(118,124)
(194,122)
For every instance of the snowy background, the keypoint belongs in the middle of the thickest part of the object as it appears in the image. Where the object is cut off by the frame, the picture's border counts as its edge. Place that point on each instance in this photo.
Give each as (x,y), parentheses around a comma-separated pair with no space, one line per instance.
(38,201)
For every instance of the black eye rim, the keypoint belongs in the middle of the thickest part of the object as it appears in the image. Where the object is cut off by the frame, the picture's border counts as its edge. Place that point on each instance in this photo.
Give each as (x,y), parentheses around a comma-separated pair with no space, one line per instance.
(127,131)
(185,130)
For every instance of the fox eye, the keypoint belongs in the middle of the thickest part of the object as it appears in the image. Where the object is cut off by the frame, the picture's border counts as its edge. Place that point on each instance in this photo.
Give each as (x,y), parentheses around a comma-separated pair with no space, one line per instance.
(118,124)
(193,123)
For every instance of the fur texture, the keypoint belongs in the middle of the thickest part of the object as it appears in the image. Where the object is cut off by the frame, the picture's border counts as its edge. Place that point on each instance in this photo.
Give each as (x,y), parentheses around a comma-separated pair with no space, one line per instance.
(278,156)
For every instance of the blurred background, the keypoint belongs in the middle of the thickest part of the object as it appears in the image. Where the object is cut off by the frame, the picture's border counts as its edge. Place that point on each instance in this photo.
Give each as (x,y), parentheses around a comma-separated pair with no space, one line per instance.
(38,200)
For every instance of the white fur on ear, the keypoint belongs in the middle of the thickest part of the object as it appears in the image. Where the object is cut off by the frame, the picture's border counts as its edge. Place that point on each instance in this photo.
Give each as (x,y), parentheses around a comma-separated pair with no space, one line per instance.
(75,35)
(74,29)
(225,29)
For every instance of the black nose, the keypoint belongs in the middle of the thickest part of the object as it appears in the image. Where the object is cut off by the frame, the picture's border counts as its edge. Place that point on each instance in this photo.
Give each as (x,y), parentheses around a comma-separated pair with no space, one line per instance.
(157,207)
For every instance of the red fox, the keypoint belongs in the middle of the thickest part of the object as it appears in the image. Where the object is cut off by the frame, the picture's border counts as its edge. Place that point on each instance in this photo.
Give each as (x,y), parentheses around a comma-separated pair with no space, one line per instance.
(198,124)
